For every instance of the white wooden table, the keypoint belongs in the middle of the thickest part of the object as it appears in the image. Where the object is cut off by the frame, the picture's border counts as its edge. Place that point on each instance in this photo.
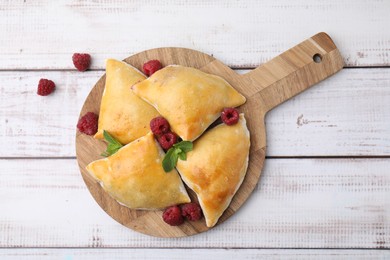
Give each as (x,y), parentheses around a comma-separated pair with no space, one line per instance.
(325,188)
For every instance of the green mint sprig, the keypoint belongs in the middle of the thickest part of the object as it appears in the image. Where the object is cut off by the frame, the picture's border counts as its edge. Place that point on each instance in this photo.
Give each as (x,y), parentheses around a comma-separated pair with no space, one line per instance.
(113,144)
(178,150)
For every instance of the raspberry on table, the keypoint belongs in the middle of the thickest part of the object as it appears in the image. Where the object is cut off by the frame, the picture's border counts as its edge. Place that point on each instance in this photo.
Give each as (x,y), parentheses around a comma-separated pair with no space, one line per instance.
(45,87)
(81,61)
(230,116)
(88,124)
(172,216)
(167,140)
(191,211)
(159,126)
(151,67)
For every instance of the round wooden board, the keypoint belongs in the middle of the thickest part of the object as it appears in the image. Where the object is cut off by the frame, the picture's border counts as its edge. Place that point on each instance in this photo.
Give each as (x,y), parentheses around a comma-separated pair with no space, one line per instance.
(89,149)
(264,88)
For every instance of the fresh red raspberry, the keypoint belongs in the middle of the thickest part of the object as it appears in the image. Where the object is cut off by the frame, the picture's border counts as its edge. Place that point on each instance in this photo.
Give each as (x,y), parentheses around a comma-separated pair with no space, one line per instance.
(151,67)
(88,124)
(230,116)
(159,126)
(45,87)
(191,211)
(172,216)
(81,61)
(167,140)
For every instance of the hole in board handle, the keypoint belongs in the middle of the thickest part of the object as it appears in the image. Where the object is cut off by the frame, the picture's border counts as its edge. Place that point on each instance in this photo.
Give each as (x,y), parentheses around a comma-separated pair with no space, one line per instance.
(317,58)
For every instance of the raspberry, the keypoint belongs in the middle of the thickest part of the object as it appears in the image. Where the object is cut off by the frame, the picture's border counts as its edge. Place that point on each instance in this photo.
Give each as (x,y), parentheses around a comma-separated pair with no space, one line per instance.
(191,211)
(45,87)
(230,116)
(167,140)
(159,126)
(81,61)
(88,124)
(172,216)
(151,67)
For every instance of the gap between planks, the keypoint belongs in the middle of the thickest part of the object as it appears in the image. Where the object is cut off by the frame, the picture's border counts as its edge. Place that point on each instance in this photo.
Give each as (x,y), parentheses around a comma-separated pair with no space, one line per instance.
(203,247)
(103,70)
(267,157)
(34,253)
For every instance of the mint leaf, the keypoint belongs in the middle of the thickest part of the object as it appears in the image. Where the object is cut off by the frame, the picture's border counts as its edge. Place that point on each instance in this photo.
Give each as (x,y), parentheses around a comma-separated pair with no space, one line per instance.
(185,146)
(113,148)
(113,144)
(110,139)
(170,160)
(178,150)
(183,156)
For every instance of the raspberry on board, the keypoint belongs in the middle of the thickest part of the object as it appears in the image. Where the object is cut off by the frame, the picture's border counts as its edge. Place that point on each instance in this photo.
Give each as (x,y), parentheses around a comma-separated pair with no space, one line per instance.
(230,116)
(45,87)
(167,140)
(191,211)
(88,124)
(159,126)
(151,67)
(81,61)
(172,216)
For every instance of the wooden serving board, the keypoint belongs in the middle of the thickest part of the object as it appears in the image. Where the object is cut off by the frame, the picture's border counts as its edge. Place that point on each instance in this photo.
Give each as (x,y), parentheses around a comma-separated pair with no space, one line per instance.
(264,87)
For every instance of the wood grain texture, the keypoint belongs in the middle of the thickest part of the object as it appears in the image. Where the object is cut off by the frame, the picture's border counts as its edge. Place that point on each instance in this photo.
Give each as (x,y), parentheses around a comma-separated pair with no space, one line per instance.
(299,203)
(264,88)
(309,124)
(43,34)
(191,254)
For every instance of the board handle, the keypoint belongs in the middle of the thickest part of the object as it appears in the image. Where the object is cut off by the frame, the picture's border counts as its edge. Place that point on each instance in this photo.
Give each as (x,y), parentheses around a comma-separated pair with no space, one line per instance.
(295,70)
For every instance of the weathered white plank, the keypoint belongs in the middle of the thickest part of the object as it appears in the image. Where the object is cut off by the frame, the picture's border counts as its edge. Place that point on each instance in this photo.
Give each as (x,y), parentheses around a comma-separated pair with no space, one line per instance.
(190,254)
(32,125)
(347,114)
(43,34)
(300,203)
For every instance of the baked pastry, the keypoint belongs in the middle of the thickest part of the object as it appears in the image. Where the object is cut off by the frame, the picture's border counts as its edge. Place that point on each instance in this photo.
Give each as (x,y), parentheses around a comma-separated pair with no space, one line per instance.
(216,167)
(124,115)
(191,100)
(135,178)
